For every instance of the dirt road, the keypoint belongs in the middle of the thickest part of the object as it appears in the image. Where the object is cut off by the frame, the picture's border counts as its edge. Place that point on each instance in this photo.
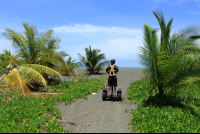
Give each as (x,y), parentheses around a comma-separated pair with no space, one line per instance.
(102,116)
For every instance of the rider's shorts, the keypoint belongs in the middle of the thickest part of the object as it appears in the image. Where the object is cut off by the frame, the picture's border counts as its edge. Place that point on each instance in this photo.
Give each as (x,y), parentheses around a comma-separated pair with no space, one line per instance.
(112,80)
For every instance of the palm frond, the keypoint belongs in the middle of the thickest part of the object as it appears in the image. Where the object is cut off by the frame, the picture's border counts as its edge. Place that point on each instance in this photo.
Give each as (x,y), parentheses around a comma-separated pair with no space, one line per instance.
(29,74)
(44,70)
(64,54)
(69,71)
(51,57)
(149,53)
(84,60)
(18,42)
(99,66)
(165,30)
(16,82)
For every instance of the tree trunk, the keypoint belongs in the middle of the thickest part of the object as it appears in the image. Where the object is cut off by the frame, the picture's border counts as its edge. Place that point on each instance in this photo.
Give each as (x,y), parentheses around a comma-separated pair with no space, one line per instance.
(149,94)
(161,91)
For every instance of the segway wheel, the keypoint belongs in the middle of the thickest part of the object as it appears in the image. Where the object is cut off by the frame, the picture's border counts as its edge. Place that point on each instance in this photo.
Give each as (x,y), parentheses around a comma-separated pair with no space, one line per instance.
(103,96)
(119,97)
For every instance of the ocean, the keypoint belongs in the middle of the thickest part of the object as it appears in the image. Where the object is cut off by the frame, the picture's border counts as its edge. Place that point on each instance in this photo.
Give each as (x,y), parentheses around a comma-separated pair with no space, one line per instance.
(122,67)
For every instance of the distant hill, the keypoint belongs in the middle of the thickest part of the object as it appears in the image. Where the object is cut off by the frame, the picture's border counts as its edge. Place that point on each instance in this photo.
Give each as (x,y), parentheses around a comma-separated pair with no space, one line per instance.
(80,64)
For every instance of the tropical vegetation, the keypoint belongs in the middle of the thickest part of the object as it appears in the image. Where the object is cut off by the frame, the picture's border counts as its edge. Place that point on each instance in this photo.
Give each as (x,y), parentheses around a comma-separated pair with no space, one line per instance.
(93,60)
(171,83)
(173,59)
(36,59)
(37,114)
(3,61)
(171,115)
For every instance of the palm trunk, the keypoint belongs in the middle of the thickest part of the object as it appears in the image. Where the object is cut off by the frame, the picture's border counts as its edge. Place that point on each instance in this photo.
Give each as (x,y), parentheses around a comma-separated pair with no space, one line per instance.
(149,94)
(161,91)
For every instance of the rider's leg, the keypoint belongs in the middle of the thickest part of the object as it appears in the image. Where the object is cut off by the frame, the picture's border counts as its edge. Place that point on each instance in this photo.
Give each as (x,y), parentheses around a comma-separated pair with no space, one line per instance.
(115,85)
(108,86)
(114,91)
(108,90)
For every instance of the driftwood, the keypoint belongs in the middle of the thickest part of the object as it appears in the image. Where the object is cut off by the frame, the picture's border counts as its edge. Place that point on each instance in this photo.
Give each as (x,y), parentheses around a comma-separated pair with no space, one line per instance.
(44,93)
(149,94)
(68,122)
(39,95)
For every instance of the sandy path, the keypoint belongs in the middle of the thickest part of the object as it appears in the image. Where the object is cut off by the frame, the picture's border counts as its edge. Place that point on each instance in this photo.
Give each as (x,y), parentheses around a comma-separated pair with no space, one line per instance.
(103,116)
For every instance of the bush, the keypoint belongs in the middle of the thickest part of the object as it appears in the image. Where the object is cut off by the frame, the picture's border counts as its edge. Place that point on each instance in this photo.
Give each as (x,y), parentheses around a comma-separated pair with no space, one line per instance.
(172,114)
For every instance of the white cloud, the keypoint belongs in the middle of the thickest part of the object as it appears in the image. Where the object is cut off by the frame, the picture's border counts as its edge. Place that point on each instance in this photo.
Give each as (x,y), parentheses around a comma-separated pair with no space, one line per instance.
(123,48)
(119,43)
(115,42)
(86,29)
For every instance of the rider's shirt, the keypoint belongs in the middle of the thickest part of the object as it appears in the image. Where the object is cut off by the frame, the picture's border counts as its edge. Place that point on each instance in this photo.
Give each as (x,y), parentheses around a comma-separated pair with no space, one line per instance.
(110,70)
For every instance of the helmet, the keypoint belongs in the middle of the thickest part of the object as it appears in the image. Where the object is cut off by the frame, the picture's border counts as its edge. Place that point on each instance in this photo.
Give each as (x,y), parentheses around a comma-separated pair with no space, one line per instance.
(113,61)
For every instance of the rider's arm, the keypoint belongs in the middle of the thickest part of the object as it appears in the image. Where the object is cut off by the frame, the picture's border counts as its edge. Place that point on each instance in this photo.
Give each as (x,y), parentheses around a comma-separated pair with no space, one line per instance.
(107,70)
(116,68)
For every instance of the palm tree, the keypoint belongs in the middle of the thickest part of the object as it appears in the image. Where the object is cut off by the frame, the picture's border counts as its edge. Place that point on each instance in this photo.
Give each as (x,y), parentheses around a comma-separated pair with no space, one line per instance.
(71,63)
(38,48)
(69,69)
(93,59)
(167,62)
(21,76)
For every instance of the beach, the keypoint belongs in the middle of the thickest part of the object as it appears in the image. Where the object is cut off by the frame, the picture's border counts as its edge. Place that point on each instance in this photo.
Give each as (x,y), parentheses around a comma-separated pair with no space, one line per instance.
(103,116)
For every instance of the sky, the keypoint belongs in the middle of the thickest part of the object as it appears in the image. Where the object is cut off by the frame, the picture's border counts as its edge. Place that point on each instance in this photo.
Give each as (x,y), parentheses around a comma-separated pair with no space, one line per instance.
(113,26)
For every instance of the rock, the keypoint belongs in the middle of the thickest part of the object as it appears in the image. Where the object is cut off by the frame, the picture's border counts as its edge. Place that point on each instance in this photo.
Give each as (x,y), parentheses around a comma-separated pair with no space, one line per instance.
(93,93)
(87,124)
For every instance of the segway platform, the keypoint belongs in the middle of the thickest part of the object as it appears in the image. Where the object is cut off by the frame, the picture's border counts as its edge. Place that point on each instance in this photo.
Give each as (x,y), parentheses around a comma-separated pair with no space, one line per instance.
(105,93)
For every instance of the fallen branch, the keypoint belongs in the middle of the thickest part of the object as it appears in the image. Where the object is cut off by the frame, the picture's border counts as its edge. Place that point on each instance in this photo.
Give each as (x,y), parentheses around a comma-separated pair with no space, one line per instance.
(68,122)
(2,76)
(149,94)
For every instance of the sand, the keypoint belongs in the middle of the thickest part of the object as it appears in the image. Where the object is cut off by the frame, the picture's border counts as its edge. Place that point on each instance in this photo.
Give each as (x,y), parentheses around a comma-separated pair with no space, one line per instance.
(103,116)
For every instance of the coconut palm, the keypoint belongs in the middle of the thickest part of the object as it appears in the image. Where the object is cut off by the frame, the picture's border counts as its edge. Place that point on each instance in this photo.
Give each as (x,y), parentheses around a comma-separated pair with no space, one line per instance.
(38,48)
(71,63)
(68,69)
(167,62)
(93,59)
(21,76)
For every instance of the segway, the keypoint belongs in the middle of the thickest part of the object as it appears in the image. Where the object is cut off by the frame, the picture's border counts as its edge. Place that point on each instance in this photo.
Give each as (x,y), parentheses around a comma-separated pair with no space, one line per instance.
(105,93)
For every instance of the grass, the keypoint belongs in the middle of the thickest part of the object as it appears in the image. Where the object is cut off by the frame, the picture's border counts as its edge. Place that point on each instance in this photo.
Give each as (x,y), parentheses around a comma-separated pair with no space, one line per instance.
(36,115)
(174,114)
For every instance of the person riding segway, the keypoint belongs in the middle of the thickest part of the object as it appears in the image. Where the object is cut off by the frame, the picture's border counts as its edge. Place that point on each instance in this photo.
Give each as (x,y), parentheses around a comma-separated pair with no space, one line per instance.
(112,79)
(112,69)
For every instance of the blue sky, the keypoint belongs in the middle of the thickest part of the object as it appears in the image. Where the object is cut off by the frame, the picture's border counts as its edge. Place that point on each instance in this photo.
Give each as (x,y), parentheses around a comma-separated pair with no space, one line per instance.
(113,26)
